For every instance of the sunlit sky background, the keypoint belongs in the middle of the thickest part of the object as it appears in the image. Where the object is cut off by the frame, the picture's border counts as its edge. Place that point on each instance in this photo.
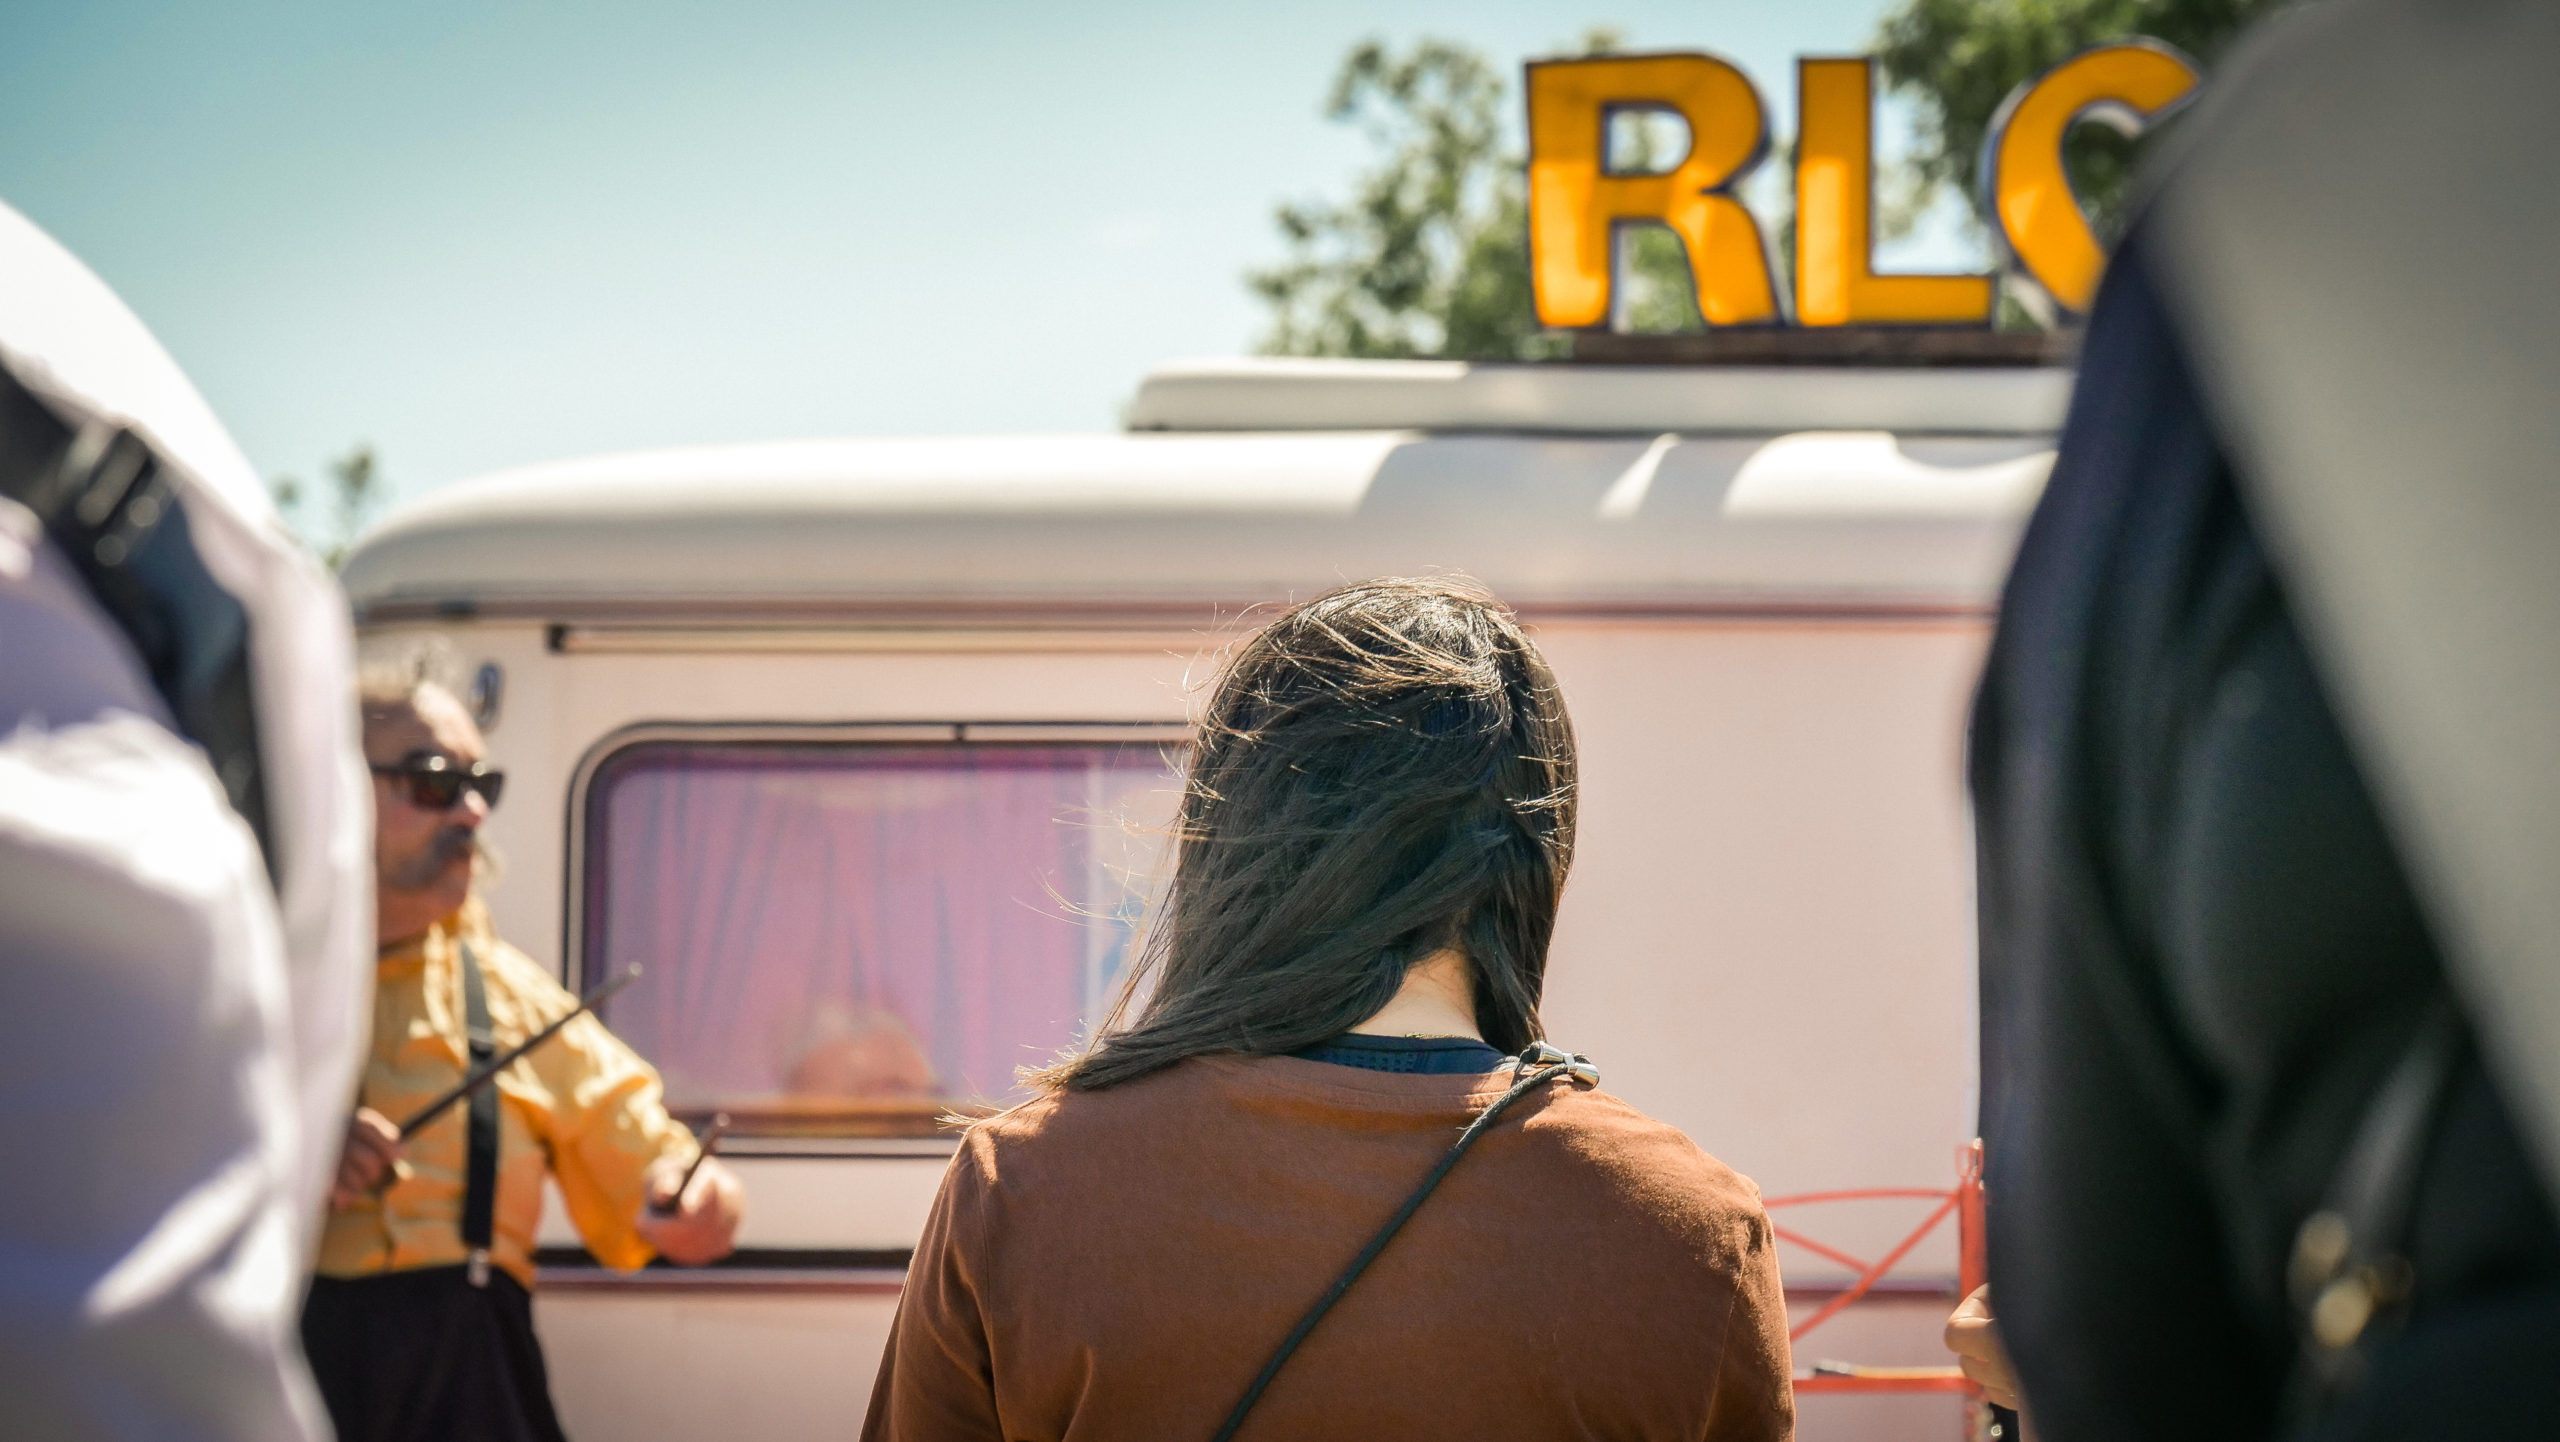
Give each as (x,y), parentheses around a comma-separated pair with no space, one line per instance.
(478,234)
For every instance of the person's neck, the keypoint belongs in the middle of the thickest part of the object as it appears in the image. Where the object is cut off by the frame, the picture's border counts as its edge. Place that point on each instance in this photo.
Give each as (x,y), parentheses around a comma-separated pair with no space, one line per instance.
(400,920)
(1437,999)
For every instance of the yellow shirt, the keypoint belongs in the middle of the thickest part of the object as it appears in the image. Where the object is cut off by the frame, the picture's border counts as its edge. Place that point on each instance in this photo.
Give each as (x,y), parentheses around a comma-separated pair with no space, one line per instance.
(582,1106)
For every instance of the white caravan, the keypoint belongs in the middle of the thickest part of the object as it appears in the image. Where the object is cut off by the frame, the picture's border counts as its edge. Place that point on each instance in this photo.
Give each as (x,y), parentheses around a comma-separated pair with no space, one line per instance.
(857,746)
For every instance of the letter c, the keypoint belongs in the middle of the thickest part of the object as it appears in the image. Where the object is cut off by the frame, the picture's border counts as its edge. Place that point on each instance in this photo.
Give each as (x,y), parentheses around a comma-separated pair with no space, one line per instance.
(2127,86)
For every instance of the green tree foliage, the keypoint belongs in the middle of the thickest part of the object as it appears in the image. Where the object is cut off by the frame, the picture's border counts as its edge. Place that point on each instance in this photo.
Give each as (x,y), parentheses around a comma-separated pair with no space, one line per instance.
(1960,58)
(1430,254)
(355,492)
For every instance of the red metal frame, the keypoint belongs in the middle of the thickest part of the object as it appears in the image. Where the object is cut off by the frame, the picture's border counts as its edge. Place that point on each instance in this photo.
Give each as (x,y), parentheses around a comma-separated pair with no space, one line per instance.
(1964,1203)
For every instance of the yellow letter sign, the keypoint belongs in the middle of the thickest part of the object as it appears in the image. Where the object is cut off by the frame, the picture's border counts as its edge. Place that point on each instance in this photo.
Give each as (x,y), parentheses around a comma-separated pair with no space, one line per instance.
(2126,86)
(1576,206)
(1836,283)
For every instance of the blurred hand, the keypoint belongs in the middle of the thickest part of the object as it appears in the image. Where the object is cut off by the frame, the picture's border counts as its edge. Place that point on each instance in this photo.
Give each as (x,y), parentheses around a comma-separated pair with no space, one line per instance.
(368,1161)
(700,1226)
(1973,1334)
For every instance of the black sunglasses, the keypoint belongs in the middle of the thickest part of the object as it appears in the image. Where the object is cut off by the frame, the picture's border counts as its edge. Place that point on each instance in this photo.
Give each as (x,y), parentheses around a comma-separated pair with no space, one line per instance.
(436,783)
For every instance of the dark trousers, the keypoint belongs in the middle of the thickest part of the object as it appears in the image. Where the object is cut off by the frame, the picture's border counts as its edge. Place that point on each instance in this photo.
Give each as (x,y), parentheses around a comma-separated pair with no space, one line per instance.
(424,1356)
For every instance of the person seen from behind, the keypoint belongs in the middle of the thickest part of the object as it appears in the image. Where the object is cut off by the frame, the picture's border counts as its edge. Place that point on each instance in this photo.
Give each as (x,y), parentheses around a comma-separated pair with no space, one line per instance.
(1372,842)
(419,1325)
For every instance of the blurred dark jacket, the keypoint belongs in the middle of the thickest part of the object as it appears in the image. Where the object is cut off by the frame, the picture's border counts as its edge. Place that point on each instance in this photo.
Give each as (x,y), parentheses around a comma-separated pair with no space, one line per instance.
(2201,953)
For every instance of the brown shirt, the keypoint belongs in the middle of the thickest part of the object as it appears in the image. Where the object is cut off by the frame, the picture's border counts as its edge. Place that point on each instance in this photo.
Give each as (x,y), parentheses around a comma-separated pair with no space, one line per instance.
(1119,1264)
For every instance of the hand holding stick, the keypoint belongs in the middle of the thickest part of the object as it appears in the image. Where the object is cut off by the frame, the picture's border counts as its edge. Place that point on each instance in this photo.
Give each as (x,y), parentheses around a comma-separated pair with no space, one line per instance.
(368,1160)
(668,1205)
(695,1221)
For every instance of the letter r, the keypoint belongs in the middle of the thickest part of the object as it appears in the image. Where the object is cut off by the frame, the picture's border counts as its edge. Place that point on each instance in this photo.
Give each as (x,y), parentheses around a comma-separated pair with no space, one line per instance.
(1576,206)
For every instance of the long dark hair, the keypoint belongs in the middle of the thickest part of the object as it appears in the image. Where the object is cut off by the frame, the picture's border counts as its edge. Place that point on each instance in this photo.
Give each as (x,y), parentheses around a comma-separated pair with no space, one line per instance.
(1382,772)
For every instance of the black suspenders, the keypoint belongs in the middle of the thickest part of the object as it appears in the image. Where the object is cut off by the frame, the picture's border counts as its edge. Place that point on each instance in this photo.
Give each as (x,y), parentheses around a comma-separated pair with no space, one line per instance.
(480,1175)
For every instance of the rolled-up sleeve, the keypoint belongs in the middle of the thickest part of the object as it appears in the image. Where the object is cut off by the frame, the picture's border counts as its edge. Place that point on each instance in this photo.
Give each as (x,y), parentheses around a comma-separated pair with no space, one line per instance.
(605,1123)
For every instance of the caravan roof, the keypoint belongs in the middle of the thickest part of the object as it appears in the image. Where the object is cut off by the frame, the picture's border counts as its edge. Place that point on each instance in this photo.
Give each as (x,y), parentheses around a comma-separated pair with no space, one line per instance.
(1563,488)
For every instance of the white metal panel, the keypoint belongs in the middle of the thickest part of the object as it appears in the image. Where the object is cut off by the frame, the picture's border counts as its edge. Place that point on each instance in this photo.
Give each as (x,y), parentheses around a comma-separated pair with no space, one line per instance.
(1045,527)
(866,1203)
(1767,938)
(684,1366)
(1867,473)
(1274,394)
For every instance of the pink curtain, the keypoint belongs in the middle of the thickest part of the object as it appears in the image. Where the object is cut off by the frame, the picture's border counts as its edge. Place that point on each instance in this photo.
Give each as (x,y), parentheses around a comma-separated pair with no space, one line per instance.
(859,915)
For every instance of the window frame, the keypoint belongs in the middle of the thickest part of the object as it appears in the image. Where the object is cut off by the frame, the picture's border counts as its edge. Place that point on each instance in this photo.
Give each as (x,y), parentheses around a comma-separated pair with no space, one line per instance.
(593,764)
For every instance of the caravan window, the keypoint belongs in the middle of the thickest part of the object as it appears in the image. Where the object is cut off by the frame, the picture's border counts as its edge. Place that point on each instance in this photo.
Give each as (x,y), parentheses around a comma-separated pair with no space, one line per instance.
(854,938)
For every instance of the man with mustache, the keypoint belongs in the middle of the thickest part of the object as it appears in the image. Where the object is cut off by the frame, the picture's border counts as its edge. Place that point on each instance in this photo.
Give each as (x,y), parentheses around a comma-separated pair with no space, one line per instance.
(420,1323)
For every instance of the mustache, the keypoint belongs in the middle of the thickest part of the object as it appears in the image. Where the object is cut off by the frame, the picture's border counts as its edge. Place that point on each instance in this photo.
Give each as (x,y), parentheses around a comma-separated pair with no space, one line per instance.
(449,845)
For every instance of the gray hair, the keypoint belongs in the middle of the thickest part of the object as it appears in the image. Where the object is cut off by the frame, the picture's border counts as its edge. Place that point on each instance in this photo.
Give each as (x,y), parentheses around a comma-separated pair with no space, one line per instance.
(389,675)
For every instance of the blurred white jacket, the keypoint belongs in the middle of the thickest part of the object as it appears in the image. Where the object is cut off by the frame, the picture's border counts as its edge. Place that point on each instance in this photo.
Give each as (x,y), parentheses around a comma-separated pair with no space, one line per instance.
(178,1034)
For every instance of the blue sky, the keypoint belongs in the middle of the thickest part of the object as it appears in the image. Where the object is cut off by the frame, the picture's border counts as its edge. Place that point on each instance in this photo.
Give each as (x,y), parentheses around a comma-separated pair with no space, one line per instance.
(479,234)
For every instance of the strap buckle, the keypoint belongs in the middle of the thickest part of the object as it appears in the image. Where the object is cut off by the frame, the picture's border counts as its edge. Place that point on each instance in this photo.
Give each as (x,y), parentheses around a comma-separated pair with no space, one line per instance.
(2349,1275)
(476,1271)
(1540,1054)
